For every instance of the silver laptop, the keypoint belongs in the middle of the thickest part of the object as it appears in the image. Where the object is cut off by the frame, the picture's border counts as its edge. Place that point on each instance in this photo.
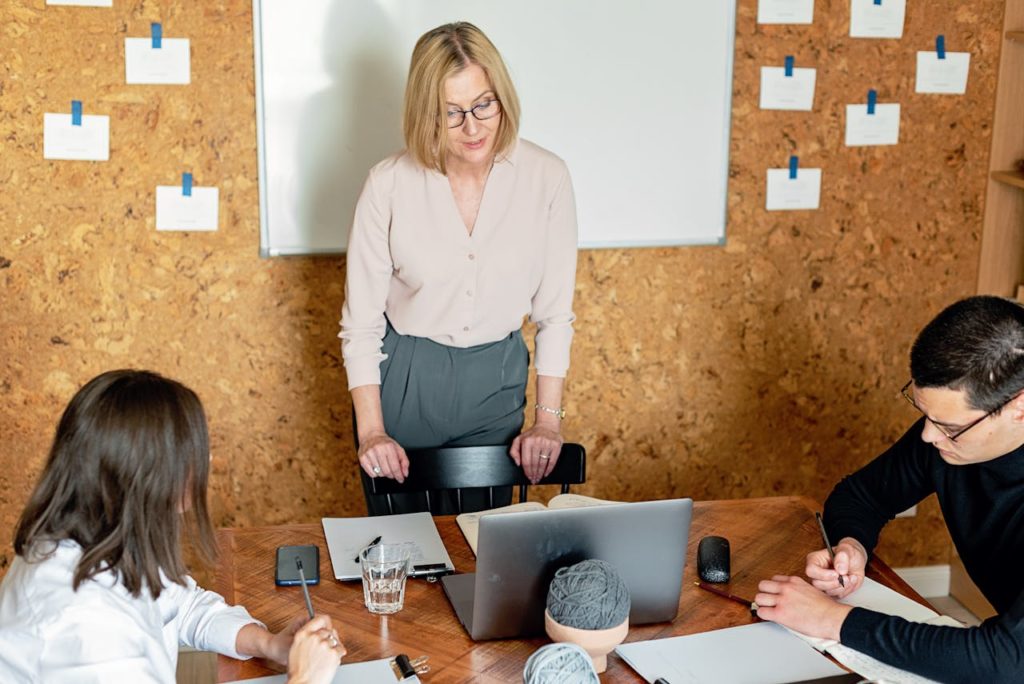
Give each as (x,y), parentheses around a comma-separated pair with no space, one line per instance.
(518,554)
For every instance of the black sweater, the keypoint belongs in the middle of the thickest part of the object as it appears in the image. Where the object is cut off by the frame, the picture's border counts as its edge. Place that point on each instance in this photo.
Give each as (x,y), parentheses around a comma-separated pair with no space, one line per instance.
(983,505)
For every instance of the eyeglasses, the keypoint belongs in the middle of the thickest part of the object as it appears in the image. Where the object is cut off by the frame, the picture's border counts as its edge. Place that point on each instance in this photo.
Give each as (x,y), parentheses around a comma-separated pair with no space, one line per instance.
(481,112)
(950,435)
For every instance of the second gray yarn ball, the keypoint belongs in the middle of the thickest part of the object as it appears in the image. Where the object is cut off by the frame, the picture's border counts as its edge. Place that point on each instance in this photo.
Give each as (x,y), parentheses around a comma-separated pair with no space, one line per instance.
(588,595)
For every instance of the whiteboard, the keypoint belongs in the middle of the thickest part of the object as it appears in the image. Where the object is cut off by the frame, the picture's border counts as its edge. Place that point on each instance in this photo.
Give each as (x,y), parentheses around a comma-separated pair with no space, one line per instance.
(635,96)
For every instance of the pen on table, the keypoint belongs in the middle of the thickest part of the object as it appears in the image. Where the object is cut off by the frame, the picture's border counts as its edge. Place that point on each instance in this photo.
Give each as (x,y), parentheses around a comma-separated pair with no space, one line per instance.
(732,597)
(376,540)
(828,545)
(305,589)
(660,680)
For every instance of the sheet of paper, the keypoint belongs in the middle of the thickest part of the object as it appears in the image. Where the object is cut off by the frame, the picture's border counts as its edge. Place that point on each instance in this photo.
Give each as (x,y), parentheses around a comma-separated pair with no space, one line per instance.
(82,3)
(875,670)
(762,653)
(370,672)
(346,537)
(88,142)
(177,211)
(880,128)
(785,11)
(795,92)
(168,64)
(785,193)
(868,20)
(947,76)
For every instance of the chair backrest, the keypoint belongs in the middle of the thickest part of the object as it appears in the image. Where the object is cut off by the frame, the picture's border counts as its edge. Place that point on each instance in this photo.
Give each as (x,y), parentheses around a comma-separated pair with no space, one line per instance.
(478,466)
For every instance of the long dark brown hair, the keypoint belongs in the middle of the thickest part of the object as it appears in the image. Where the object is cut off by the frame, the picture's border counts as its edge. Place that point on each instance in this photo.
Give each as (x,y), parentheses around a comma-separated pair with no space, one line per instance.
(130,454)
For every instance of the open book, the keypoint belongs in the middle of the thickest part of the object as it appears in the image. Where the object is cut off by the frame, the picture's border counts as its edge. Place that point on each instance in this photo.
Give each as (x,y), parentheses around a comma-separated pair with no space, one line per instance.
(469,523)
(874,596)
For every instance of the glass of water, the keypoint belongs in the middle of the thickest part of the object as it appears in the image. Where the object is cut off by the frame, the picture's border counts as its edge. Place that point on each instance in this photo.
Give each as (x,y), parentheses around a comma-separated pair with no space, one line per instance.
(385,567)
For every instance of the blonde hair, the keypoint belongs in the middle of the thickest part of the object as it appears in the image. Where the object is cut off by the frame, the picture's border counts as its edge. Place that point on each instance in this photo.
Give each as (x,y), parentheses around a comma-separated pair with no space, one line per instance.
(439,54)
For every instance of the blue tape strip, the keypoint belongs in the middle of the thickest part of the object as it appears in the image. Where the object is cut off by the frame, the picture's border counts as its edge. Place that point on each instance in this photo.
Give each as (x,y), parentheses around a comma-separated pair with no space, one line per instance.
(789,65)
(156,32)
(872,101)
(186,184)
(792,167)
(878,2)
(76,112)
(940,46)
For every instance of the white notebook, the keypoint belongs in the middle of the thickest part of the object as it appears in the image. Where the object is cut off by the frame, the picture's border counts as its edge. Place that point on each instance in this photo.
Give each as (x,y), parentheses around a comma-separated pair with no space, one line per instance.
(346,537)
(369,672)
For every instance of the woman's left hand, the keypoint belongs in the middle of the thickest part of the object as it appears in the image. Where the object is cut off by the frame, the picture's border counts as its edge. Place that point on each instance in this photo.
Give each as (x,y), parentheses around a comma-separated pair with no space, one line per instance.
(537,451)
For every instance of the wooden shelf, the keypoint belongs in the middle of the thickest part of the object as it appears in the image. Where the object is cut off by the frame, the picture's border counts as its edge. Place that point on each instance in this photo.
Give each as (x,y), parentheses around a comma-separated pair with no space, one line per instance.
(1014,178)
(1015,35)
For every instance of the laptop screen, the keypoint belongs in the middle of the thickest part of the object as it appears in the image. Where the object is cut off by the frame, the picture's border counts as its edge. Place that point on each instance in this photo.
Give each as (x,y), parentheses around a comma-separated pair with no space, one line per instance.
(518,554)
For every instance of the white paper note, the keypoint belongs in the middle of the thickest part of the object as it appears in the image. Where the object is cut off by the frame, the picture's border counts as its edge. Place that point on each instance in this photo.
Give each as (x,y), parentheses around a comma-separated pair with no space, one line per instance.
(795,92)
(82,3)
(785,11)
(88,142)
(948,76)
(785,193)
(880,128)
(168,64)
(177,211)
(868,20)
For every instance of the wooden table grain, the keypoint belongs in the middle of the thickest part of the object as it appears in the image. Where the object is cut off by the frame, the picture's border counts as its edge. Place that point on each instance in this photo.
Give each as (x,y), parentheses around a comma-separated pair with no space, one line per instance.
(767,536)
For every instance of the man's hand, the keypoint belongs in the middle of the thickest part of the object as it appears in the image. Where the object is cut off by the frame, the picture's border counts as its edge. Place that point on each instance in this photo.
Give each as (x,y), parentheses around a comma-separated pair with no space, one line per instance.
(850,562)
(793,603)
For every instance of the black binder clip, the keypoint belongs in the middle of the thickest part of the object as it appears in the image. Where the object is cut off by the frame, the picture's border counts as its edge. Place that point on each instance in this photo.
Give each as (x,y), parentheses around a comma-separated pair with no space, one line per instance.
(404,668)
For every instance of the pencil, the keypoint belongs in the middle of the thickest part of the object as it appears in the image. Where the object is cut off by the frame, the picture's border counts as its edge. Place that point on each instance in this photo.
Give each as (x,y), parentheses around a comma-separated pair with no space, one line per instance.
(305,589)
(828,545)
(724,594)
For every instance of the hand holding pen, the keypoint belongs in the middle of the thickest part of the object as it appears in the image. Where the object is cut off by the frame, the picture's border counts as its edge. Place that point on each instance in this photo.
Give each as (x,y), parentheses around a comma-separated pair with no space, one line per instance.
(837,570)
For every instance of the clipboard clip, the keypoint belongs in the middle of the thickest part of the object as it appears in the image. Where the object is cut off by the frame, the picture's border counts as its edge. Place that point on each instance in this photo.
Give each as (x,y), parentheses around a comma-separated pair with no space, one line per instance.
(404,668)
(431,571)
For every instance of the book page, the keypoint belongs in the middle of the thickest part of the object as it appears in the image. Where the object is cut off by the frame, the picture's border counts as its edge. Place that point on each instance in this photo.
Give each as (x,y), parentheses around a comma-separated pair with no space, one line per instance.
(469,523)
(577,501)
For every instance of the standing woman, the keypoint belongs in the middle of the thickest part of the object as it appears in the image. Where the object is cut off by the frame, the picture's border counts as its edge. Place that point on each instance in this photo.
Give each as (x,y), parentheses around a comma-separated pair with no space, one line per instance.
(99,591)
(454,241)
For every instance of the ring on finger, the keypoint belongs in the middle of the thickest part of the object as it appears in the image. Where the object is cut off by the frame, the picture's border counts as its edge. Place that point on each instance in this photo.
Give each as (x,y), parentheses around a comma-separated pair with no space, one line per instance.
(544,457)
(376,470)
(333,641)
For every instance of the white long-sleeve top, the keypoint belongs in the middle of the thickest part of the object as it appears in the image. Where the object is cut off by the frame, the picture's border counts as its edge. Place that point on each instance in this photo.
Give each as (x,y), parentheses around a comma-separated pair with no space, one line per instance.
(410,257)
(101,633)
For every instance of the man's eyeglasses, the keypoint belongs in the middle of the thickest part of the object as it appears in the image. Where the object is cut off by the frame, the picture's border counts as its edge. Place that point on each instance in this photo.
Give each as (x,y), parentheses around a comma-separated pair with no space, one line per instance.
(481,112)
(951,435)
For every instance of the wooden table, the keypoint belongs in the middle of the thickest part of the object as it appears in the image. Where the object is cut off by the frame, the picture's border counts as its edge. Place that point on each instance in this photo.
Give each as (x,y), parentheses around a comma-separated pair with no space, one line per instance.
(767,536)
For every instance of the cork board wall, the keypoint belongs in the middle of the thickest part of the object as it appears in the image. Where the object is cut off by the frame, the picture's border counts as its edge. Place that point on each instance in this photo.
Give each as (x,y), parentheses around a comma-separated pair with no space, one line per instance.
(768,366)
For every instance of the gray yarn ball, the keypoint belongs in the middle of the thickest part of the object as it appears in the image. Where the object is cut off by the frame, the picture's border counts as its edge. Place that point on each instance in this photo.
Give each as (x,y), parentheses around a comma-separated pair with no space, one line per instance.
(560,664)
(588,595)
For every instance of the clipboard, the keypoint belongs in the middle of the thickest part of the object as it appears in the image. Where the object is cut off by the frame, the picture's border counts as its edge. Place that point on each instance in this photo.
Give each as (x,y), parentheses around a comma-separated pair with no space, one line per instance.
(383,671)
(346,537)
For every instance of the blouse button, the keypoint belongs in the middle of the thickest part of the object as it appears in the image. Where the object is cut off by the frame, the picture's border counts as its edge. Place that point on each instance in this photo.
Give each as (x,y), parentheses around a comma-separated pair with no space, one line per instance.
(465,329)
(472,256)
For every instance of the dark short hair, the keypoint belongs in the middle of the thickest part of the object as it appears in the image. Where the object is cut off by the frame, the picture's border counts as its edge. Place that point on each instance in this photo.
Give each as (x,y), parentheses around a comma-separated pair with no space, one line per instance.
(130,454)
(975,345)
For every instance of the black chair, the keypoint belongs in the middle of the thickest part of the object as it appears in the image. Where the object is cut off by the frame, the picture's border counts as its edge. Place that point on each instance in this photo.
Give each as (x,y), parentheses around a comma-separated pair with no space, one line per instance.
(460,468)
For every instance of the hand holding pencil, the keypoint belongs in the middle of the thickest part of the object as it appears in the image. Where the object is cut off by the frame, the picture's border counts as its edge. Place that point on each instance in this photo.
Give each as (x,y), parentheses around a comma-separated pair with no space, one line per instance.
(838,570)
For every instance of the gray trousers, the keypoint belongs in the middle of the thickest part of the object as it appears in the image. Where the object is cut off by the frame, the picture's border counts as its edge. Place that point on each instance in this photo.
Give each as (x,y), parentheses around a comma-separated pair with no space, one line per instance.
(433,396)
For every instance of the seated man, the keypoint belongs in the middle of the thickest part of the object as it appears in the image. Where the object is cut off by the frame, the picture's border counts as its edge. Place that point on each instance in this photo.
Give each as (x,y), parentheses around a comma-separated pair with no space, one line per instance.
(967,369)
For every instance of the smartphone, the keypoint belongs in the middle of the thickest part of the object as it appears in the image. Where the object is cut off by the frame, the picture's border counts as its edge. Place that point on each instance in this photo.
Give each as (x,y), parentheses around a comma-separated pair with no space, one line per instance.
(287,573)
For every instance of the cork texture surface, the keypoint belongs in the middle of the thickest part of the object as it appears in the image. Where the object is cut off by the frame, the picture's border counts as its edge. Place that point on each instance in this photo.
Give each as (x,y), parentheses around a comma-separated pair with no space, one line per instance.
(770,365)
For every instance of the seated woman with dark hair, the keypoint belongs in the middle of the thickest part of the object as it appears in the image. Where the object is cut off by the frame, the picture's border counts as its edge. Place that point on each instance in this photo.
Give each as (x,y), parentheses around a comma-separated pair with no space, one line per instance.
(99,591)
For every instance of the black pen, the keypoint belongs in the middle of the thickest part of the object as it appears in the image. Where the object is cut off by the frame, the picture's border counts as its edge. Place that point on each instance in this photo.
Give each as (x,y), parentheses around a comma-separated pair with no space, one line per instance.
(376,540)
(660,680)
(305,589)
(828,545)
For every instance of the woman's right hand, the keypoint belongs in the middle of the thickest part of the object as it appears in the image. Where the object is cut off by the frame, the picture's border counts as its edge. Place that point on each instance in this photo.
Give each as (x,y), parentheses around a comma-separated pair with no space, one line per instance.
(315,653)
(381,456)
